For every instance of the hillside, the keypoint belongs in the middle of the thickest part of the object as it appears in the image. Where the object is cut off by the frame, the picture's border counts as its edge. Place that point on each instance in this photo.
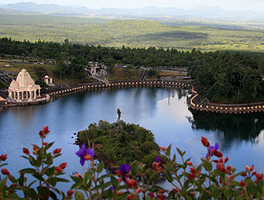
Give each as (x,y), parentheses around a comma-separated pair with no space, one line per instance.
(133,33)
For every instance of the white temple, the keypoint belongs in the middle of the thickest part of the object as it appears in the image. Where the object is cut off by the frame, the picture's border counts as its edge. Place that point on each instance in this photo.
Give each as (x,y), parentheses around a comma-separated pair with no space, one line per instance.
(24,87)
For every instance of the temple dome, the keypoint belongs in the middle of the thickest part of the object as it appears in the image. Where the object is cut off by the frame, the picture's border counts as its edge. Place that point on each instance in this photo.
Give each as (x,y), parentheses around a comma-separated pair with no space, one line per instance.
(24,87)
(13,84)
(24,79)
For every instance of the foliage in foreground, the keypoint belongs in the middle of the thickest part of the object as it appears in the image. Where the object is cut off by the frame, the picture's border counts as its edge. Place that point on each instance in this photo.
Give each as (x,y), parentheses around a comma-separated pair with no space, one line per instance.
(211,179)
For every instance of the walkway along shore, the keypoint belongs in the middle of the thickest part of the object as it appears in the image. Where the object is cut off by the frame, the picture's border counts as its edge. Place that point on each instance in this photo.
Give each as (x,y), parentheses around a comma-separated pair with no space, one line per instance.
(118,84)
(93,86)
(195,102)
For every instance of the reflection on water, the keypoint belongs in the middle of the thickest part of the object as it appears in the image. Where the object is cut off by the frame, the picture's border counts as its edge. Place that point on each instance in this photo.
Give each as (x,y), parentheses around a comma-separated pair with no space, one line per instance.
(245,127)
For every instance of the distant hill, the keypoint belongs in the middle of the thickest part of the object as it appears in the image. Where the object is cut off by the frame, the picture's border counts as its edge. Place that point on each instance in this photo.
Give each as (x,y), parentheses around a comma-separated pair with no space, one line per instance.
(147,12)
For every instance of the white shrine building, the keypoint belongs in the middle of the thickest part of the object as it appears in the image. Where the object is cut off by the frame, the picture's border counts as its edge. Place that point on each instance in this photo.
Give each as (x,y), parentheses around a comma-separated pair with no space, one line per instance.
(23,88)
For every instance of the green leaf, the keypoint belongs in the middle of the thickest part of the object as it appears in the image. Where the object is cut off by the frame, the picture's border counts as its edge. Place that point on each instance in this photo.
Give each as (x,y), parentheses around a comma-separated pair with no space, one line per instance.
(79,195)
(168,150)
(28,171)
(123,196)
(3,164)
(50,171)
(260,186)
(50,144)
(62,180)
(32,194)
(207,164)
(100,167)
(114,182)
(44,192)
(168,176)
(53,195)
(76,179)
(3,183)
(52,181)
(38,176)
(214,191)
(102,186)
(21,180)
(179,151)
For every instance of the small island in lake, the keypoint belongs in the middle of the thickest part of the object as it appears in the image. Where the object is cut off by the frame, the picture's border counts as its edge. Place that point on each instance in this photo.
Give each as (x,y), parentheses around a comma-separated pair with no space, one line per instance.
(120,142)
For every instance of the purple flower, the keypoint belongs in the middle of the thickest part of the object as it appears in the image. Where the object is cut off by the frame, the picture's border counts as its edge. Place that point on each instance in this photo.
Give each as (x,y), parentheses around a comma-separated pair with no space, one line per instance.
(85,154)
(124,170)
(212,150)
(158,159)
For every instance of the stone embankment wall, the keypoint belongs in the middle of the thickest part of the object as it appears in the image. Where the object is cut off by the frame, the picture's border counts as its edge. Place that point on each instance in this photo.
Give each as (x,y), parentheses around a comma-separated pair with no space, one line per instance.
(194,102)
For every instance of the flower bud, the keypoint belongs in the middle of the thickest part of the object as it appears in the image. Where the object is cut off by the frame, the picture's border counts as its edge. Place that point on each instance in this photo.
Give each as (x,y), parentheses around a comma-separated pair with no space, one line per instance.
(218,154)
(221,167)
(175,190)
(138,190)
(242,183)
(131,183)
(205,141)
(58,169)
(35,150)
(246,168)
(3,157)
(46,129)
(189,163)
(26,151)
(45,144)
(251,168)
(231,177)
(41,134)
(163,148)
(5,171)
(63,165)
(70,193)
(56,151)
(193,170)
(226,159)
(259,176)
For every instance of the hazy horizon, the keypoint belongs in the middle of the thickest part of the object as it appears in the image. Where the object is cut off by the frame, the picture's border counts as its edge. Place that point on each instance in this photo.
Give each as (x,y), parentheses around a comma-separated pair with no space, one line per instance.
(232,5)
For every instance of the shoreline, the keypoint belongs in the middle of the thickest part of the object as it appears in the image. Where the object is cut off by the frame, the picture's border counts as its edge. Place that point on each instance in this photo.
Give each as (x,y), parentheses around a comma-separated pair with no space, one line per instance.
(194,102)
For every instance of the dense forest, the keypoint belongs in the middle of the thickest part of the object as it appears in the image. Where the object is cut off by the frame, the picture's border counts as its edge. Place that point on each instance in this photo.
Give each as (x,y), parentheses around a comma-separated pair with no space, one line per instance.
(226,76)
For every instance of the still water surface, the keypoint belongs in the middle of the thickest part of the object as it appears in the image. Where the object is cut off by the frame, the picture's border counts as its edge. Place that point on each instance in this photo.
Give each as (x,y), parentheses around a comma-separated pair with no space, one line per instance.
(161,110)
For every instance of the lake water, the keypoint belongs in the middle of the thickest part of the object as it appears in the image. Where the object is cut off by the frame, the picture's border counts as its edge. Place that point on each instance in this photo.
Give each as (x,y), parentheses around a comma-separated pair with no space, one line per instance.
(161,110)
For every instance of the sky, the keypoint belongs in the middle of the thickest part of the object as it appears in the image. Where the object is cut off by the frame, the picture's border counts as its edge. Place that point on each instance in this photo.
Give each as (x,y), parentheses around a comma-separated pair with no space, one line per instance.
(253,5)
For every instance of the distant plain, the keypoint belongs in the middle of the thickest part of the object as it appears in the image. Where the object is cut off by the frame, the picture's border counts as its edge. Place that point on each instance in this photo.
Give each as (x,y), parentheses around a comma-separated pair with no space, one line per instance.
(116,32)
